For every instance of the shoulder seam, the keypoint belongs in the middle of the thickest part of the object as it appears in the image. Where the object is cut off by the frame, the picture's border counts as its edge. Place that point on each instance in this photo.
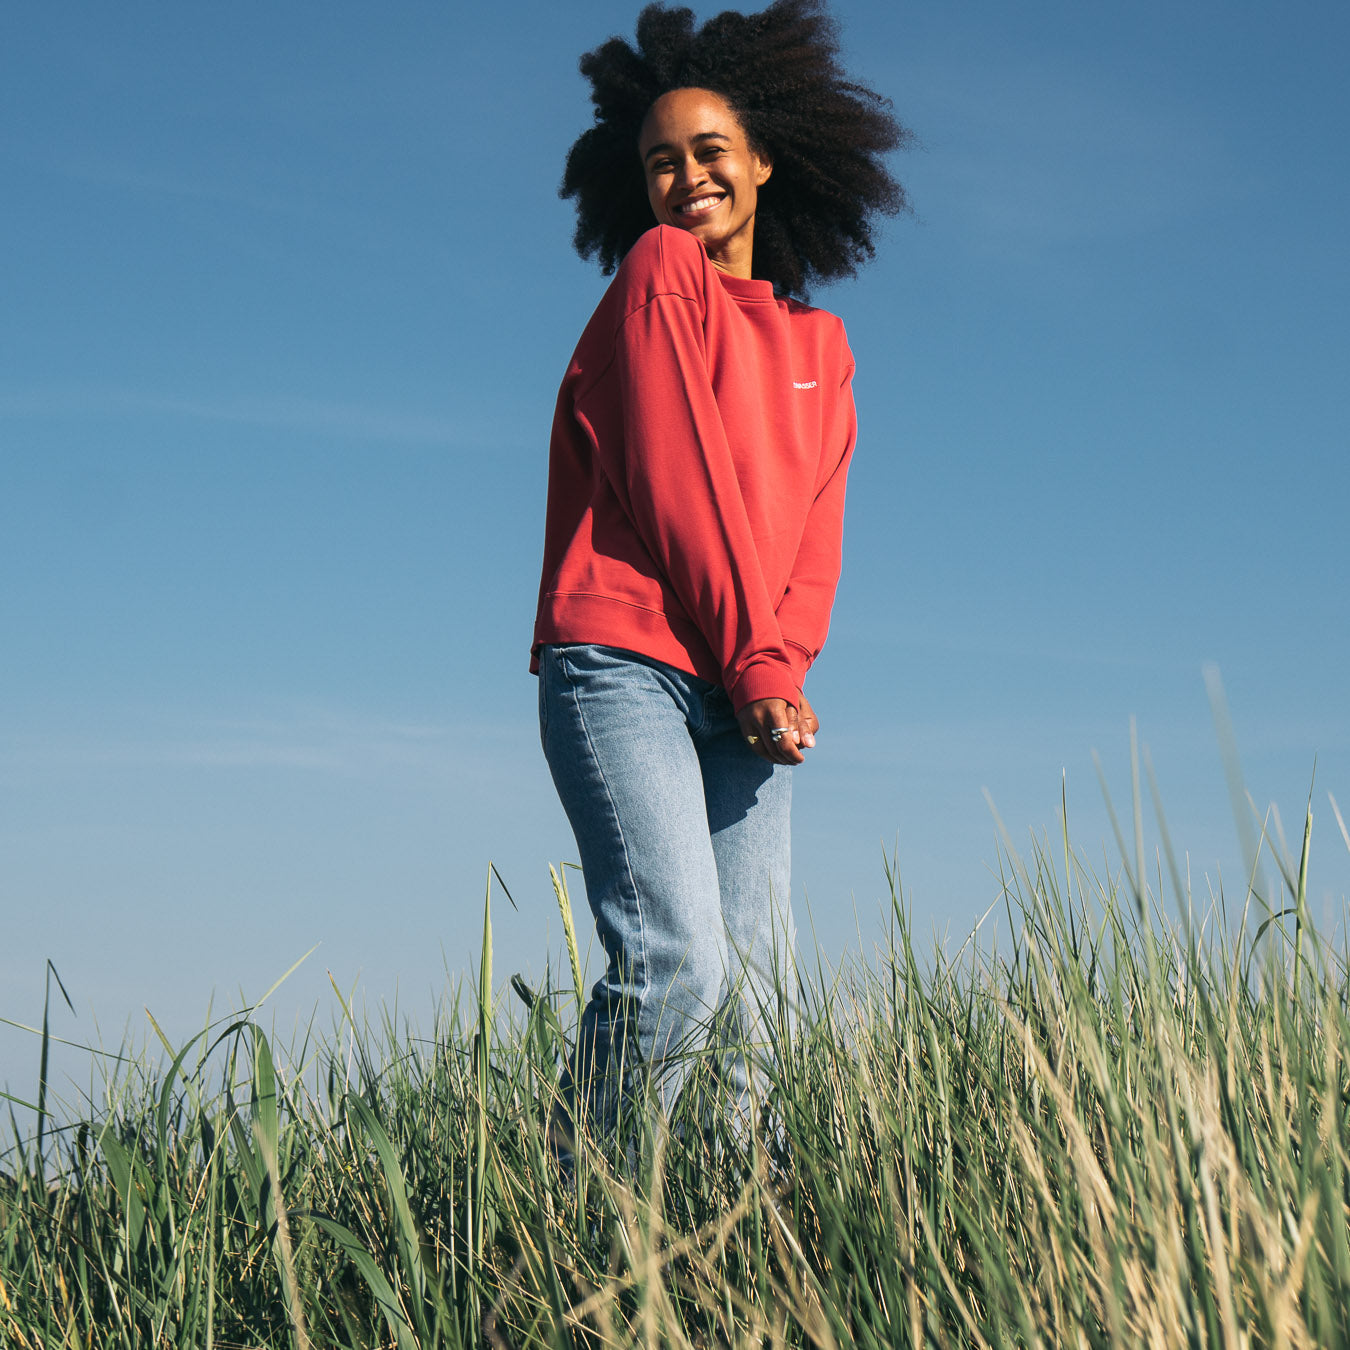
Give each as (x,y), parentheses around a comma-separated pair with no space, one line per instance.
(637,309)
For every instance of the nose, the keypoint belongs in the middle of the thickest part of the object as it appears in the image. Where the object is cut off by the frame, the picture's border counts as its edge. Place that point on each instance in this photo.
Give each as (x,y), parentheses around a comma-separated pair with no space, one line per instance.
(690,172)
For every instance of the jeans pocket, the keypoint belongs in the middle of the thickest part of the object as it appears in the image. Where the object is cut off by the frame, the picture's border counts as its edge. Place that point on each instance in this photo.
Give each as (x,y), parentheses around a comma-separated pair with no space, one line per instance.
(555,673)
(578,660)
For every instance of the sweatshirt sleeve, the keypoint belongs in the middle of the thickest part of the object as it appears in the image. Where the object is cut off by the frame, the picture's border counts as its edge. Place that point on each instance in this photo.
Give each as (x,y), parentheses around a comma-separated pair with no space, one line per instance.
(672,467)
(804,612)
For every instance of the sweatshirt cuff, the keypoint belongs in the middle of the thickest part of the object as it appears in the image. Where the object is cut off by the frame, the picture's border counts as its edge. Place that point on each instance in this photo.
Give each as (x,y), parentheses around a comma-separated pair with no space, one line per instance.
(800,660)
(765,679)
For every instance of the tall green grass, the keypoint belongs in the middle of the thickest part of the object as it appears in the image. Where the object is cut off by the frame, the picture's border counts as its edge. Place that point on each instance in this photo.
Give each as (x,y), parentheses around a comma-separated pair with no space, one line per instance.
(1106,1129)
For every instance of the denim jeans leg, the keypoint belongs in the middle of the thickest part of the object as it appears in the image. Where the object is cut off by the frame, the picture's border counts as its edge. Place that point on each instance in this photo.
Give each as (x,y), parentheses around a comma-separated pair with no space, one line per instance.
(617,734)
(749,804)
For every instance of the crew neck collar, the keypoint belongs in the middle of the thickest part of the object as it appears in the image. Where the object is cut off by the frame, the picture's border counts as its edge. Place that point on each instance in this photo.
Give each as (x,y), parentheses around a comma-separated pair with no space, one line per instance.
(746,288)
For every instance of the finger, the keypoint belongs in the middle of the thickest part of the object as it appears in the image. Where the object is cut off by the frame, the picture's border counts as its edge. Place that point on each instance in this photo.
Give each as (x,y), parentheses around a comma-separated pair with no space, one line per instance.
(780,750)
(760,745)
(783,742)
(808,723)
(798,720)
(755,736)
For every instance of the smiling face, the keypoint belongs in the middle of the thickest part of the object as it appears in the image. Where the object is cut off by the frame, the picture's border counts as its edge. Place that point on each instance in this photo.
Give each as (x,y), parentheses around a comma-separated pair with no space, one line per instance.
(702,175)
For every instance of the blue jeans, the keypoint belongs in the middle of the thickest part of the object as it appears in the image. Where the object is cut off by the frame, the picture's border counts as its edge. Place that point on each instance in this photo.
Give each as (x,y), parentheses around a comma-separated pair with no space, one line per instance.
(684,834)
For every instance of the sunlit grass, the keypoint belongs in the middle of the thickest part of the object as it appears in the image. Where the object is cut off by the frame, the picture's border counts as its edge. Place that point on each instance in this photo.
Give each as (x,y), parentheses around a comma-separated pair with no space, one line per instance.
(1106,1128)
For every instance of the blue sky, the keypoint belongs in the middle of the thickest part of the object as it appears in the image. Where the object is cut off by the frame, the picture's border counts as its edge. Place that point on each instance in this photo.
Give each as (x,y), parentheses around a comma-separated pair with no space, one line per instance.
(286,298)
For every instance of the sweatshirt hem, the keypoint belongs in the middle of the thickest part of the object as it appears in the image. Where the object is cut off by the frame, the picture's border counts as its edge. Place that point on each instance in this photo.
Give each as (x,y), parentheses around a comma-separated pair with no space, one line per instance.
(584,616)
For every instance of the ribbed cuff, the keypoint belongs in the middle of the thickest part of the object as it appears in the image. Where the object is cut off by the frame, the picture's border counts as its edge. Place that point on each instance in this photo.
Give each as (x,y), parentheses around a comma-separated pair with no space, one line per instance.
(765,679)
(800,660)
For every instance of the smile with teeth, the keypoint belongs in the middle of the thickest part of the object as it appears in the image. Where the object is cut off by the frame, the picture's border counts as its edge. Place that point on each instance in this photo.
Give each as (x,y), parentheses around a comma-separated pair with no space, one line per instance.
(697,206)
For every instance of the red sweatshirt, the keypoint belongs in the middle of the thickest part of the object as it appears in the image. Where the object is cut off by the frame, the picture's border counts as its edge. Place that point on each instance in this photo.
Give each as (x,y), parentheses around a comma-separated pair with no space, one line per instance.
(696,475)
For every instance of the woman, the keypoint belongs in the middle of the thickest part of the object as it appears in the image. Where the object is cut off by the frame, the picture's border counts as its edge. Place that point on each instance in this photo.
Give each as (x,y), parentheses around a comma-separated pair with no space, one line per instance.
(695,507)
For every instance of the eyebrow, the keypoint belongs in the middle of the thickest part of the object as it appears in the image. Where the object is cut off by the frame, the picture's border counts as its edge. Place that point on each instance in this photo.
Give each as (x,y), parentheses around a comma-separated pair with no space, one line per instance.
(665,147)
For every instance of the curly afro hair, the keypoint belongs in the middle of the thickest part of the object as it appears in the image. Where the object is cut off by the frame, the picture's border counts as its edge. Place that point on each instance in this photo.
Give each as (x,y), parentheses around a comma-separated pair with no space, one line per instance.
(778,70)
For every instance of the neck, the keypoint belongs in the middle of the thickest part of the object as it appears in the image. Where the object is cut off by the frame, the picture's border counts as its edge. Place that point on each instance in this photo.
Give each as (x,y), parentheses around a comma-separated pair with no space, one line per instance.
(734,262)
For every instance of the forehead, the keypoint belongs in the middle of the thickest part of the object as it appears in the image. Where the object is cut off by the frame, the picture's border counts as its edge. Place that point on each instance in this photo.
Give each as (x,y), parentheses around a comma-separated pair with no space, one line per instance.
(682,114)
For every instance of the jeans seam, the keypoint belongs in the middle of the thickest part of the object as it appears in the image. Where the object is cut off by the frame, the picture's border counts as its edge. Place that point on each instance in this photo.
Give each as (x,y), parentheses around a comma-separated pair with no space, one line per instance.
(623,841)
(704,718)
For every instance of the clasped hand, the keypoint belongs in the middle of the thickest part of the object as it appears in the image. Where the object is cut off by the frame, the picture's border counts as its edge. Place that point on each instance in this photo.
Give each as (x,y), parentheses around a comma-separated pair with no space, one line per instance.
(798,727)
